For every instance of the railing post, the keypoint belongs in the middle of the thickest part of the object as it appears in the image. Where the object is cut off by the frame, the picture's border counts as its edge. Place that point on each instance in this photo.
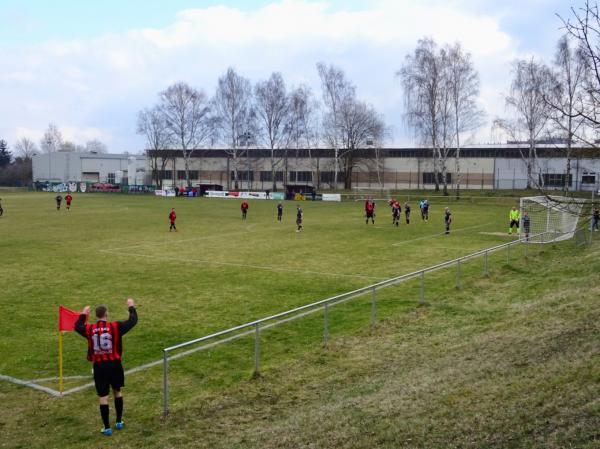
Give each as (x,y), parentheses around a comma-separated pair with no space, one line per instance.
(374,307)
(326,325)
(485,263)
(165,384)
(256,349)
(422,297)
(458,273)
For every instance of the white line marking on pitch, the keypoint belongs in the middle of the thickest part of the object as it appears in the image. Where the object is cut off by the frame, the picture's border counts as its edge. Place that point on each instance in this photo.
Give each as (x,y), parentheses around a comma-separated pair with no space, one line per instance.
(30,384)
(441,233)
(242,265)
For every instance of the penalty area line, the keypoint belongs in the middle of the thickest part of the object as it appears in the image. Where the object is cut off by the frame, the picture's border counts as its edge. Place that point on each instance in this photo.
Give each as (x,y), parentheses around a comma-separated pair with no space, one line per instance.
(440,234)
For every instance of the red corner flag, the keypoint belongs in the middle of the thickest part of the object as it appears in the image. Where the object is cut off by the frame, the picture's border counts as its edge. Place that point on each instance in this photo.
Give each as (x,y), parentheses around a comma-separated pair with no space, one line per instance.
(67,319)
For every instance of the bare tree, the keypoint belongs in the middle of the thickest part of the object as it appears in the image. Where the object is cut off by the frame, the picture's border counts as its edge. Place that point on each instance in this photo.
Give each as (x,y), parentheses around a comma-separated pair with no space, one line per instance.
(95,146)
(336,91)
(584,28)
(151,124)
(531,111)
(422,77)
(26,148)
(187,117)
(463,84)
(565,97)
(273,111)
(234,115)
(52,140)
(304,127)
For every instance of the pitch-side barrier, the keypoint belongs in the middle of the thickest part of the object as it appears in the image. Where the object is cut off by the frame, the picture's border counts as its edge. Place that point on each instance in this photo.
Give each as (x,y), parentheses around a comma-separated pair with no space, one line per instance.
(255,327)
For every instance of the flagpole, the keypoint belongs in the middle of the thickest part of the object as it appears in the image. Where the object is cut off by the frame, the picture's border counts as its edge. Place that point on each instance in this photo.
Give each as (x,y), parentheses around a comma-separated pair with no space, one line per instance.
(60,362)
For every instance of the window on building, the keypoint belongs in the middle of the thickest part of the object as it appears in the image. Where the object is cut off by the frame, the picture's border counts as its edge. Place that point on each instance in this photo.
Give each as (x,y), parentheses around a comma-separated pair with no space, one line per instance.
(327,176)
(556,179)
(166,174)
(300,176)
(267,176)
(429,178)
(588,178)
(110,178)
(243,175)
(181,174)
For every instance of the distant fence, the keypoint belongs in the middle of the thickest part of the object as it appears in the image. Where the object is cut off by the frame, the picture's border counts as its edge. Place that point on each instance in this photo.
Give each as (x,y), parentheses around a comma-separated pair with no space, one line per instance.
(255,327)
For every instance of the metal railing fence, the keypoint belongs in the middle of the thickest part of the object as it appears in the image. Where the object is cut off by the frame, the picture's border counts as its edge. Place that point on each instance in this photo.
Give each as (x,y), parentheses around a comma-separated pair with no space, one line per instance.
(255,327)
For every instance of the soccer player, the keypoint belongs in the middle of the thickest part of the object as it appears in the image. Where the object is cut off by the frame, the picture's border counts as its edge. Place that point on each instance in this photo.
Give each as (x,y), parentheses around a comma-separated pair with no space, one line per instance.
(244,208)
(595,217)
(514,217)
(370,211)
(58,201)
(425,211)
(279,211)
(526,224)
(396,213)
(421,204)
(299,216)
(407,212)
(447,219)
(1,210)
(172,218)
(105,349)
(68,200)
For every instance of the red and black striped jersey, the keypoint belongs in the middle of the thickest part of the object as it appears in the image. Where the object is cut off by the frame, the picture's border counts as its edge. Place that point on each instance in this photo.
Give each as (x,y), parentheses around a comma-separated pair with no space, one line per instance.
(105,337)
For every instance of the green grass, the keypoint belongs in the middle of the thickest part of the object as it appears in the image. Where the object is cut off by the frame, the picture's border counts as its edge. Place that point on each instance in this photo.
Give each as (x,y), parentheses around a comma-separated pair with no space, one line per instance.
(506,361)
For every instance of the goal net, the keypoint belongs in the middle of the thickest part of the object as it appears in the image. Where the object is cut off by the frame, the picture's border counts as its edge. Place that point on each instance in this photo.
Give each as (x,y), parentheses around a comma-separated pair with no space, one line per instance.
(557,216)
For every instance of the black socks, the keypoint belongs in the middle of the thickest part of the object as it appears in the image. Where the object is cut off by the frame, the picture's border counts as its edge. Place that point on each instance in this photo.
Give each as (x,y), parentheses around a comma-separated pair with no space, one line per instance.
(119,408)
(104,412)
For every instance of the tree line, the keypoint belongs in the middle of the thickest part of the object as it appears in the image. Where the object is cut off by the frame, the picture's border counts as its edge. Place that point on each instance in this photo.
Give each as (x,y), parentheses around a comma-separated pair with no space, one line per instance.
(267,115)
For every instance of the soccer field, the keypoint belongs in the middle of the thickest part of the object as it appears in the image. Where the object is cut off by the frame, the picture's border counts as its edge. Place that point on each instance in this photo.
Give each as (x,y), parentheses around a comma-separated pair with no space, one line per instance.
(217,271)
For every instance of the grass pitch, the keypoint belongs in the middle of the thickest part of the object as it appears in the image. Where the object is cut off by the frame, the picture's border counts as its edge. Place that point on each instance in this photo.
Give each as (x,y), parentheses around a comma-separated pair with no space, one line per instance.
(218,271)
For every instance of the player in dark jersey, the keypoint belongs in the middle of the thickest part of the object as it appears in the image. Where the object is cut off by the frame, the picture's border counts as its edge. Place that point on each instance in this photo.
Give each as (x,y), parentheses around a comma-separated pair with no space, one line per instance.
(396,209)
(425,210)
(279,211)
(299,217)
(526,224)
(370,211)
(68,200)
(1,210)
(105,349)
(172,218)
(58,201)
(244,208)
(407,212)
(447,219)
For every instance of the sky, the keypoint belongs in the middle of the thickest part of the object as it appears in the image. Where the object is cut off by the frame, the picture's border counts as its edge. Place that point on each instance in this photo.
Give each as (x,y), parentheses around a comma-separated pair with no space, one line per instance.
(90,67)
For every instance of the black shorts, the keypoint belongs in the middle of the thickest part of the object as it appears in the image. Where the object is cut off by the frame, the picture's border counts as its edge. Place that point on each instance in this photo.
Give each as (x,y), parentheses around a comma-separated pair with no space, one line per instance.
(370,214)
(108,374)
(514,223)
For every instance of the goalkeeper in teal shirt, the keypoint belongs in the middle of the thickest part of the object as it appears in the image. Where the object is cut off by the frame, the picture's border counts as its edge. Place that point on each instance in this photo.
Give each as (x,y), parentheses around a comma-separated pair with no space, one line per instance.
(514,216)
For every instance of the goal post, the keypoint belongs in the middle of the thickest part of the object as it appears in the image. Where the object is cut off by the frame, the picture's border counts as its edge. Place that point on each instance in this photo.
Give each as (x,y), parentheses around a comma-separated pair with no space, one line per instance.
(557,216)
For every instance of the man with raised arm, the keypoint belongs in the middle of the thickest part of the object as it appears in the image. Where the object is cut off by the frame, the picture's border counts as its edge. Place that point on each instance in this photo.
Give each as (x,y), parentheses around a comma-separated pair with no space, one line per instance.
(105,349)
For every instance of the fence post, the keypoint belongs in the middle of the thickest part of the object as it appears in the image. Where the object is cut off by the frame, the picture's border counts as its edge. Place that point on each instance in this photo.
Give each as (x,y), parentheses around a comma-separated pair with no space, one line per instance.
(374,308)
(422,297)
(542,243)
(458,273)
(165,384)
(256,349)
(326,325)
(485,263)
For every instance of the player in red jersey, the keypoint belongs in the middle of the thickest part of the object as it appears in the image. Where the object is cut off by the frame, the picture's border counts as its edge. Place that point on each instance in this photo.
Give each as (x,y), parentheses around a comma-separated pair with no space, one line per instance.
(172,218)
(105,349)
(68,199)
(244,208)
(396,209)
(370,211)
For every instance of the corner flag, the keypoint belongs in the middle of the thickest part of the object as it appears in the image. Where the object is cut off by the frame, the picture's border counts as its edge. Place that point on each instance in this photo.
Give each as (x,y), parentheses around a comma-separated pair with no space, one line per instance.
(67,319)
(66,322)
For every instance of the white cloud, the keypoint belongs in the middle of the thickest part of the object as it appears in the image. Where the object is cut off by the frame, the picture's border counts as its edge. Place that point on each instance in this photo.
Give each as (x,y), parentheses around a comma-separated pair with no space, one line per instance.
(94,88)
